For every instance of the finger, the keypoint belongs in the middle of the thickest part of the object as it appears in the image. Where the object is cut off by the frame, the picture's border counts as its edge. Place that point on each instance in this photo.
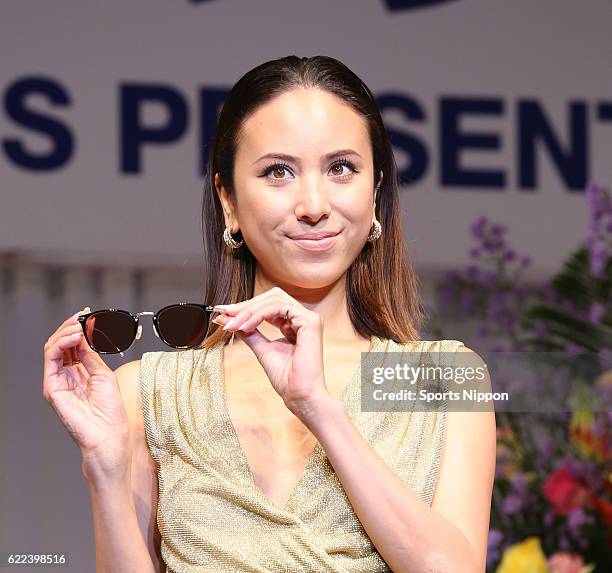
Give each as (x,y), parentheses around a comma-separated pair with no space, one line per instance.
(54,353)
(272,311)
(73,319)
(233,309)
(222,319)
(283,301)
(68,322)
(90,359)
(70,356)
(257,342)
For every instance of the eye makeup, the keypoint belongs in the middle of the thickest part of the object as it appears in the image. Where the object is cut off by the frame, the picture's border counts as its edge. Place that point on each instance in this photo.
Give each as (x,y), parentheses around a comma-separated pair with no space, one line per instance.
(342,162)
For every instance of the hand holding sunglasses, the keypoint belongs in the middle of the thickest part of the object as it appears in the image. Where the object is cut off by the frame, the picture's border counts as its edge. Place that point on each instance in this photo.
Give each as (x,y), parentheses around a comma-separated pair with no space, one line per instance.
(85,394)
(113,331)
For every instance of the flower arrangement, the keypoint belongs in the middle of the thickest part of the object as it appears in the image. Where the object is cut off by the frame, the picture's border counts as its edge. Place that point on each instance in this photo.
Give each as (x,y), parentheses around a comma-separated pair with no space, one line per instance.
(552,498)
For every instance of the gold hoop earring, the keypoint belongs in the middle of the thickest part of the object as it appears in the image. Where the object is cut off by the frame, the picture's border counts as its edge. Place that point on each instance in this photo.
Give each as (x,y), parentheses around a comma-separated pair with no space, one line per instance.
(229,240)
(376,232)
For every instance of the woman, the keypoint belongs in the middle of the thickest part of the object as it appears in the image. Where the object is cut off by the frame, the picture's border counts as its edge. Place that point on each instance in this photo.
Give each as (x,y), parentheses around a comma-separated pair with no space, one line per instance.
(253,456)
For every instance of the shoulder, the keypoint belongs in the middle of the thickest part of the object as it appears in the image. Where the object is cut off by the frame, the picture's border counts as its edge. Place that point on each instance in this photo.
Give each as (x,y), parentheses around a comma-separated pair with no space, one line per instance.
(128,379)
(465,483)
(136,379)
(426,346)
(138,390)
(128,375)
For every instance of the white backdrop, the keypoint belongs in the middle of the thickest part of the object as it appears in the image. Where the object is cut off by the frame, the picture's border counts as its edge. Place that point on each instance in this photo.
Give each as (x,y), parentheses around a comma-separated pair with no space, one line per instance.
(67,63)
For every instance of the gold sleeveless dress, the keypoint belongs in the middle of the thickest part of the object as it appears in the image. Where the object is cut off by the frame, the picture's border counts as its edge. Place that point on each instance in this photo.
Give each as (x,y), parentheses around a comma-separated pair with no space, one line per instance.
(211,515)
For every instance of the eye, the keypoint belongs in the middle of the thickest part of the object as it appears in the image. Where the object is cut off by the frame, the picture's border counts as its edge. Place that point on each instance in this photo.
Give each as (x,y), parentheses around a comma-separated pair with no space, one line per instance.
(274,169)
(344,163)
(280,168)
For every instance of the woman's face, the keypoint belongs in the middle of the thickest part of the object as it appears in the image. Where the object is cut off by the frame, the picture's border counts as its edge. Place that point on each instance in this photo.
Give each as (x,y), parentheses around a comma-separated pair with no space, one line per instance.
(303,165)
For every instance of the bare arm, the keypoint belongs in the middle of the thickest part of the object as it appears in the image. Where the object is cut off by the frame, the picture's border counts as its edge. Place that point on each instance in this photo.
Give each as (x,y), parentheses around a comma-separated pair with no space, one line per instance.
(412,537)
(124,508)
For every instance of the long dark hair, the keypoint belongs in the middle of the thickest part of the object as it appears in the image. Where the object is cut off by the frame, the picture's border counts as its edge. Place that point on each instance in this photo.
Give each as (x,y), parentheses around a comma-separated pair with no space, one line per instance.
(381,286)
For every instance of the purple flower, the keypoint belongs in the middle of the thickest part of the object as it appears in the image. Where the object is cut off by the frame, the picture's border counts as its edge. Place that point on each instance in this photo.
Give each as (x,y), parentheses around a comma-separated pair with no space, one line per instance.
(591,238)
(517,499)
(599,256)
(549,518)
(547,449)
(521,292)
(512,504)
(598,198)
(599,201)
(472,271)
(576,519)
(489,245)
(580,468)
(507,321)
(468,301)
(493,547)
(602,399)
(488,278)
(599,424)
(495,537)
(596,312)
(548,292)
(572,348)
(541,328)
(499,230)
(478,227)
(519,484)
(483,330)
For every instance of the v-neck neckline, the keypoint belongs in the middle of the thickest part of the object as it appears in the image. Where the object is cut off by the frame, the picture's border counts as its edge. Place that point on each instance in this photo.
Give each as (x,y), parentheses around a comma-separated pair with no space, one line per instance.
(308,468)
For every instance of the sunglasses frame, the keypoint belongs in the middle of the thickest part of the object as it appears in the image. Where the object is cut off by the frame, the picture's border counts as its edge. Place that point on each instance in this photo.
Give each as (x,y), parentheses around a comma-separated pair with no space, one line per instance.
(135,317)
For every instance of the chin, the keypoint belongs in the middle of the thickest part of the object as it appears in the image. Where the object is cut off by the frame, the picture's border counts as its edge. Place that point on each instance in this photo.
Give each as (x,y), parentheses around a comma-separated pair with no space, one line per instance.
(307,277)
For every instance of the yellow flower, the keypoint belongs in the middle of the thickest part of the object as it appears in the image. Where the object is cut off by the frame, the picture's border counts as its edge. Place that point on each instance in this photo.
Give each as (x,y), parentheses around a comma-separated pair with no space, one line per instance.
(524,557)
(581,435)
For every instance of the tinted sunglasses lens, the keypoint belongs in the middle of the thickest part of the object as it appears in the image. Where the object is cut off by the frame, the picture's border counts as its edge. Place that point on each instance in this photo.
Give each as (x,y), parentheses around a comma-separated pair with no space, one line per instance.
(182,326)
(110,331)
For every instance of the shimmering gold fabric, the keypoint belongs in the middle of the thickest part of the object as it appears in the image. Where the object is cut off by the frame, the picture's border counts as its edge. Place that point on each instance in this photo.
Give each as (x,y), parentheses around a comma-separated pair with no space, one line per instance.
(211,515)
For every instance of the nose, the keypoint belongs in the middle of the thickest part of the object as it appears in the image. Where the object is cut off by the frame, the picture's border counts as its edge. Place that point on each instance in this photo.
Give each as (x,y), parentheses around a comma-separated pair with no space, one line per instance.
(313,200)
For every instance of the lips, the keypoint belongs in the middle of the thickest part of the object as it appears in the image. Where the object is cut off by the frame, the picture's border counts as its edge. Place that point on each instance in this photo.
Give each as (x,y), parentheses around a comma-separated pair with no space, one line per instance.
(316,235)
(316,241)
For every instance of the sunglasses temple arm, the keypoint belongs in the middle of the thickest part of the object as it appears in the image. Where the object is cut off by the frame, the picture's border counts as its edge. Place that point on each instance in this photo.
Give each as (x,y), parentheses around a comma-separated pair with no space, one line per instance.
(100,332)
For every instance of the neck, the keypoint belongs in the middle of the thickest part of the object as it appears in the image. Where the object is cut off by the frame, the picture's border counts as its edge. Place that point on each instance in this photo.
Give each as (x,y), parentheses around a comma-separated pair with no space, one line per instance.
(329,302)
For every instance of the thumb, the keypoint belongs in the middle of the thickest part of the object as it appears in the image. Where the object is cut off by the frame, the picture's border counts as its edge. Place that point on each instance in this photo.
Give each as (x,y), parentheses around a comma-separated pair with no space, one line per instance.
(256,341)
(90,359)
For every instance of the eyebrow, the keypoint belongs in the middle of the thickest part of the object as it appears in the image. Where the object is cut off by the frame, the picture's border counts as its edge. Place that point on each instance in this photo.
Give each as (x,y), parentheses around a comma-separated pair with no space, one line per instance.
(290,158)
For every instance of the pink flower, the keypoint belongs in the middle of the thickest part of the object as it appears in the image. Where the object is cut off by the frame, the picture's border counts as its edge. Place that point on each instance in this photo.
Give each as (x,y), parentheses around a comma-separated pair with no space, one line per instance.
(563,562)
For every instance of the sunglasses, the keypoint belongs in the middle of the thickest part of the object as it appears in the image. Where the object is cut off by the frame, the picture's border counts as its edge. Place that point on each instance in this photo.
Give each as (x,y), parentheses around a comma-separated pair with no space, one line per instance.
(113,331)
